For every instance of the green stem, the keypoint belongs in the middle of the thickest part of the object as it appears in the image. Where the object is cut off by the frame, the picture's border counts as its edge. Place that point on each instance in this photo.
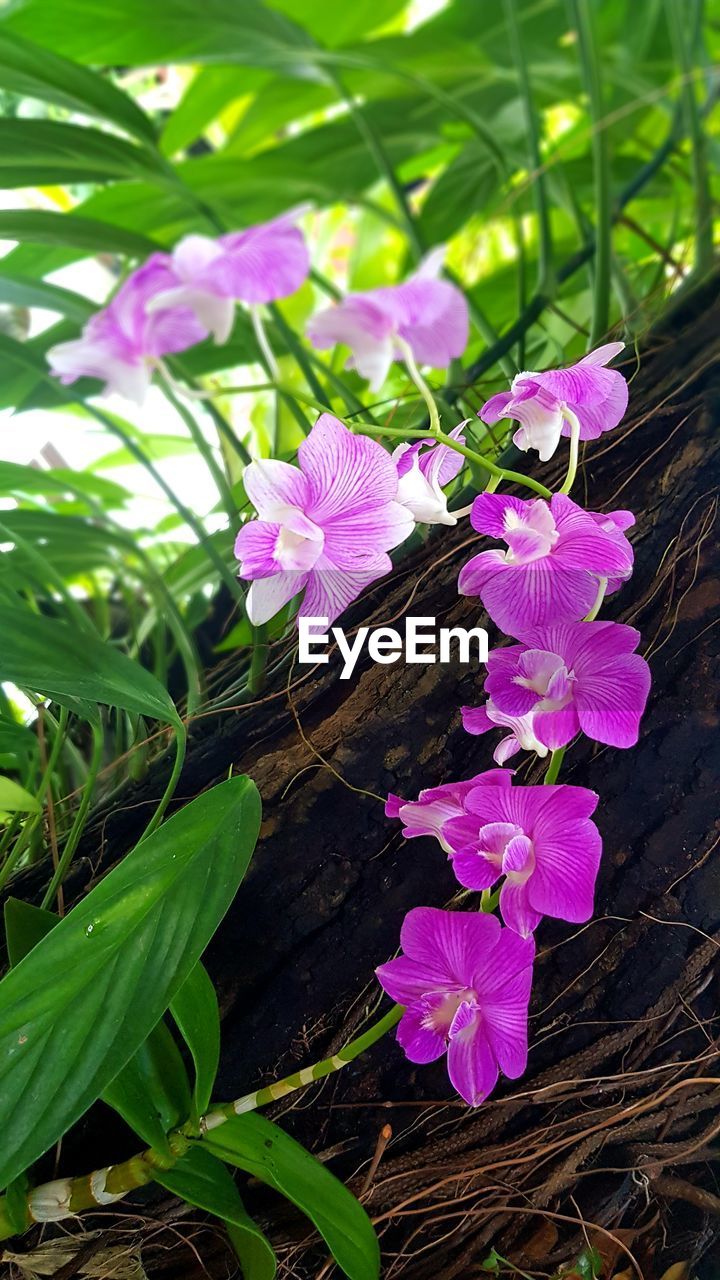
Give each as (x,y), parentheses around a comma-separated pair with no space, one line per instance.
(258,661)
(569,480)
(501,473)
(545,256)
(602,588)
(78,826)
(299,1079)
(421,385)
(180,745)
(268,359)
(553,768)
(588,43)
(71,1195)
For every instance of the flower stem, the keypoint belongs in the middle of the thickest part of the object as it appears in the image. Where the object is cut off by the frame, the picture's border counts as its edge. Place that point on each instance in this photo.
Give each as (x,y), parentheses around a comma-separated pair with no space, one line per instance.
(602,588)
(574,451)
(499,473)
(299,1079)
(553,768)
(421,385)
(258,661)
(117,1181)
(180,745)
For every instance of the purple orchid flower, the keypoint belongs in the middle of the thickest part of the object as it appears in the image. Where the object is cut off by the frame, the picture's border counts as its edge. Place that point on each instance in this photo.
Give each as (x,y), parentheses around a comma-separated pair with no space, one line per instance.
(435,806)
(123,343)
(258,265)
(424,468)
(324,527)
(465,983)
(614,524)
(557,552)
(597,396)
(427,313)
(572,677)
(478,720)
(540,839)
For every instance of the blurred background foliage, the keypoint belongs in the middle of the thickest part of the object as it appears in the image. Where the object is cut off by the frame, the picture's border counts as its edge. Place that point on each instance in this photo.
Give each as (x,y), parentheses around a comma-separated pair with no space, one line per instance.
(565,153)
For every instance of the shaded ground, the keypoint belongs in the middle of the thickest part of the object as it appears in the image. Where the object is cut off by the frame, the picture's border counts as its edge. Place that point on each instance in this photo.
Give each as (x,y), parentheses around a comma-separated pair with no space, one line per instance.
(614,1129)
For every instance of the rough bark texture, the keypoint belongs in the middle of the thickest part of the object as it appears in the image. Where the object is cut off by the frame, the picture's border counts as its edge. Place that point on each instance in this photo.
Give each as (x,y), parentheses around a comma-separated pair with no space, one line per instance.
(613,1128)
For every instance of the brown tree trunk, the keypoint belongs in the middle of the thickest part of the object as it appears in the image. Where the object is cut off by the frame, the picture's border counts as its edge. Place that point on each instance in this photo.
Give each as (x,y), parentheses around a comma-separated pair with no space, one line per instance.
(610,1134)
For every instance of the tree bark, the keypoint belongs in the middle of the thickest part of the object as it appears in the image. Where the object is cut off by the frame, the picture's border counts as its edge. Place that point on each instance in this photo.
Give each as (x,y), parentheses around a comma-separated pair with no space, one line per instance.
(620,1100)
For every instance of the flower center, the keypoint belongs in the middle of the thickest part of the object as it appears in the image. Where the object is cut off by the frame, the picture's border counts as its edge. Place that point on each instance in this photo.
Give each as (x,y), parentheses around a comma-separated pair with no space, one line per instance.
(531,536)
(506,846)
(299,542)
(547,676)
(439,1008)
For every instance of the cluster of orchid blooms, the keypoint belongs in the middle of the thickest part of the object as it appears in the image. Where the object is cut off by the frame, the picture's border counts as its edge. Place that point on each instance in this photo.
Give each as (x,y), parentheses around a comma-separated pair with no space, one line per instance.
(323,532)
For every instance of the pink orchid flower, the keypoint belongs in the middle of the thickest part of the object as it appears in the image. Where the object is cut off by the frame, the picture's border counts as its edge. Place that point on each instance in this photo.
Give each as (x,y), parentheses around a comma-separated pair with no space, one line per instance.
(424,468)
(597,397)
(556,555)
(465,983)
(540,839)
(572,677)
(427,313)
(435,806)
(257,265)
(324,527)
(122,344)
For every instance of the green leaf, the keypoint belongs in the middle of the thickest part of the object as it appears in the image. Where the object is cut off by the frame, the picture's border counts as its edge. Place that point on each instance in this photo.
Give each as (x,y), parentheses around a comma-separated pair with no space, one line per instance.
(195,1010)
(134,33)
(152,1092)
(84,1000)
(202,1180)
(259,1147)
(15,799)
(25,926)
(35,72)
(40,152)
(51,657)
(58,482)
(23,291)
(40,226)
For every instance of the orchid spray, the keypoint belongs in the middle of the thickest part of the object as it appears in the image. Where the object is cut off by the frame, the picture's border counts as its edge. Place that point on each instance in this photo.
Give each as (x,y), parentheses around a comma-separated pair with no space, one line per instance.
(321,534)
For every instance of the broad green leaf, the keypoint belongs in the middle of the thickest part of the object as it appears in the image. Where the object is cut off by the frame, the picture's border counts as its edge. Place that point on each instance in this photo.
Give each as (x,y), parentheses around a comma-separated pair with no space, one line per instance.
(209,92)
(202,1180)
(134,33)
(54,658)
(259,1147)
(84,1000)
(40,226)
(25,926)
(152,1092)
(195,1010)
(35,72)
(40,152)
(23,291)
(15,799)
